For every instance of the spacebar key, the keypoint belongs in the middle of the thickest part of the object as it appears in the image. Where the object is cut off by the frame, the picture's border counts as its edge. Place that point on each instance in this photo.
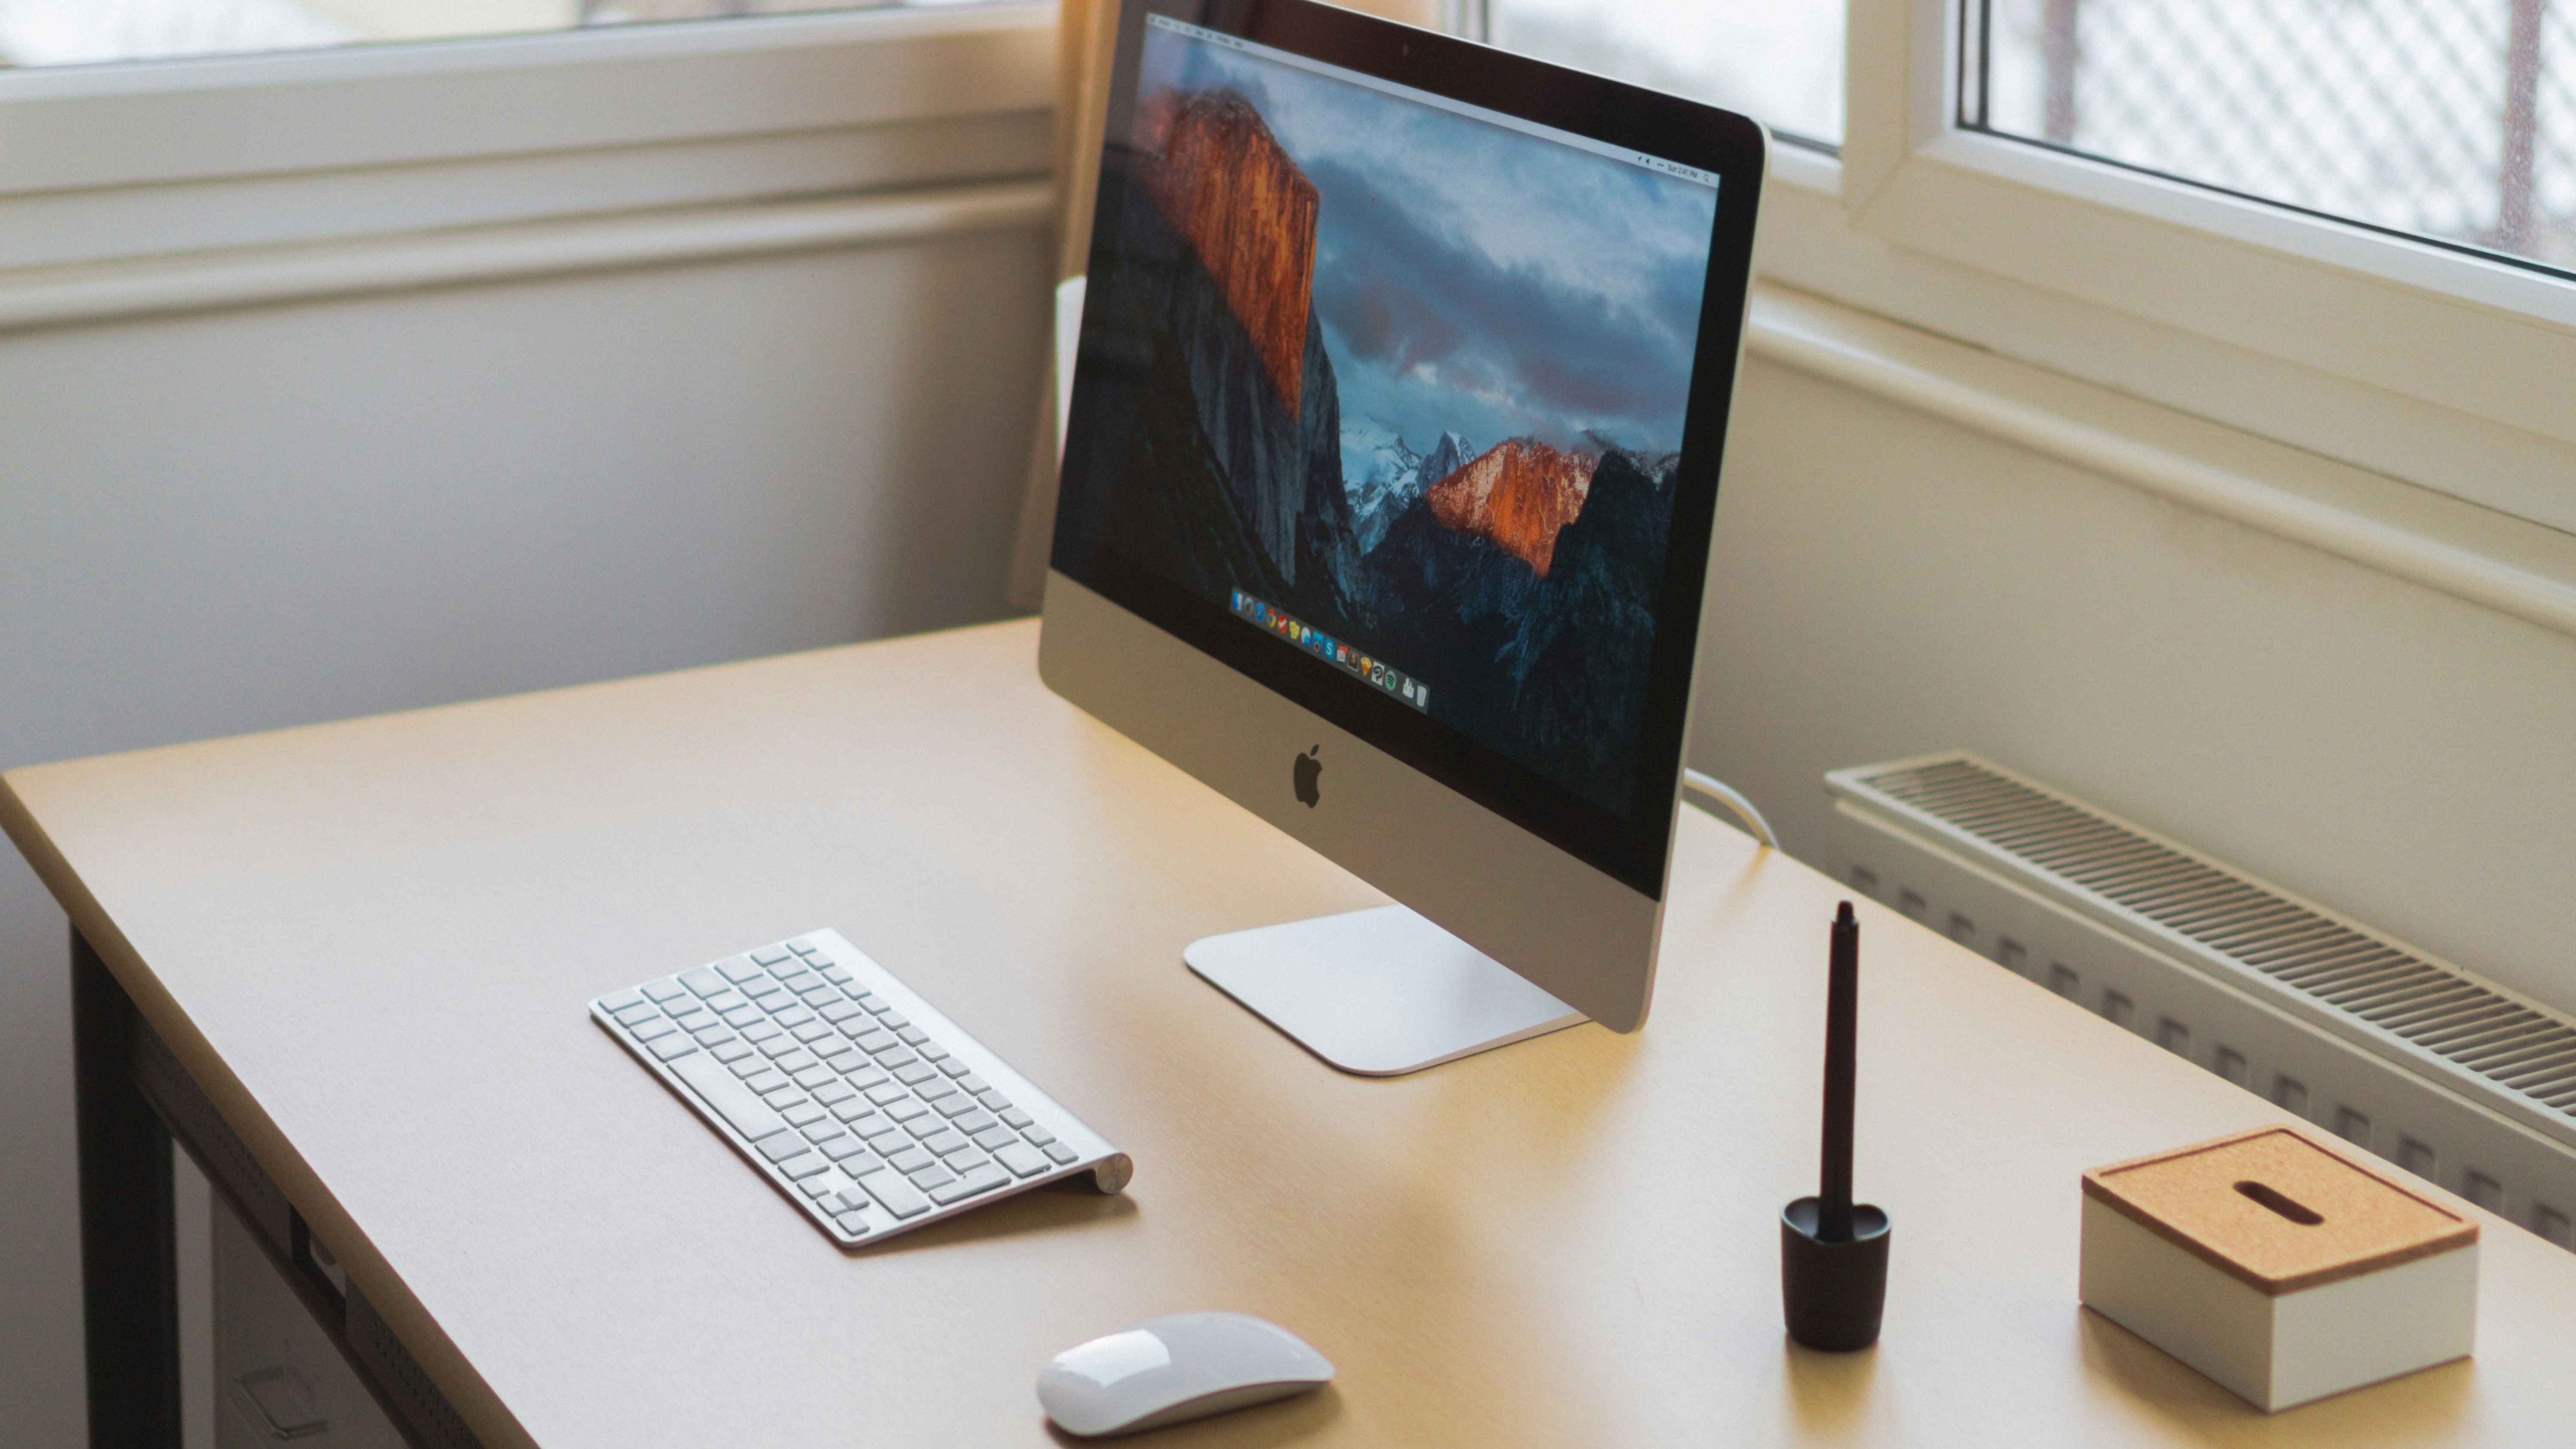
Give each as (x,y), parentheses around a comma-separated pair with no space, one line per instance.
(716,1086)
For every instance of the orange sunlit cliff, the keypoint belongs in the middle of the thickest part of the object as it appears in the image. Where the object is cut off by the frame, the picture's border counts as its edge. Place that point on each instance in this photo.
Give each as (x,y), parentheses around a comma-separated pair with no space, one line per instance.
(1519,494)
(1246,210)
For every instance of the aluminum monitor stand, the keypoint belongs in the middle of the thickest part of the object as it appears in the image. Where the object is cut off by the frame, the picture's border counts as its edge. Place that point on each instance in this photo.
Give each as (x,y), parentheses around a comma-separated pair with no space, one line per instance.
(1377,993)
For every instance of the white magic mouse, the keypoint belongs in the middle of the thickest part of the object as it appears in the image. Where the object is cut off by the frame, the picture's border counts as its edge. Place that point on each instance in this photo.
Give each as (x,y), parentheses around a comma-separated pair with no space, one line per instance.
(1166,1370)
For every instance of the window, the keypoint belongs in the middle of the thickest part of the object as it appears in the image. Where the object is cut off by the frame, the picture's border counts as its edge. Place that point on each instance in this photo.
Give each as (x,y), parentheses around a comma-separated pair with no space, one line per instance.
(1780,61)
(81,32)
(2453,120)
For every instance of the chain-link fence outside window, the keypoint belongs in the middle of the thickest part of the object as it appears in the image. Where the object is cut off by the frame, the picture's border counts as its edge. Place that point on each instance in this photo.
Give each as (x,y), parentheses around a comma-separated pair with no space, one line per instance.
(2453,120)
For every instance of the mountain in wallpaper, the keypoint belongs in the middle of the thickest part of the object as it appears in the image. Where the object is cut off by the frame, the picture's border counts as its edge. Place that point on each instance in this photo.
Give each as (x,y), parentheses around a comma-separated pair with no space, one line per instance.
(1519,580)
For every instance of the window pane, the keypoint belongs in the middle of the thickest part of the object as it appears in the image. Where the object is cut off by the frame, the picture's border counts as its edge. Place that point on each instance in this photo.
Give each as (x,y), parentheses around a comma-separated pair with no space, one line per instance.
(1778,60)
(2448,119)
(74,32)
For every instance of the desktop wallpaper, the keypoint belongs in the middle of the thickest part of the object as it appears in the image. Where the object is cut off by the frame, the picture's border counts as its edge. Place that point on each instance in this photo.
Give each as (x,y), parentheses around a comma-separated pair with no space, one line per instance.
(1410,378)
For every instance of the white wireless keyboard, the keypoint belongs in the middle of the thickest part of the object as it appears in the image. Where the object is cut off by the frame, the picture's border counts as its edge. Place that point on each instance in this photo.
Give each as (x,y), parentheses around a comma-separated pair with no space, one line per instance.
(863,1104)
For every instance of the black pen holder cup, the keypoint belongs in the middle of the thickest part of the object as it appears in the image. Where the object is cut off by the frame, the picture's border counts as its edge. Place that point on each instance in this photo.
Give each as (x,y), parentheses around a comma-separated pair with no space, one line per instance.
(1831,1293)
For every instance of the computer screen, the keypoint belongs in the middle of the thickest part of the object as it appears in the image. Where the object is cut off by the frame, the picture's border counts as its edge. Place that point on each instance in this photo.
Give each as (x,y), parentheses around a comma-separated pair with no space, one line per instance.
(1399,384)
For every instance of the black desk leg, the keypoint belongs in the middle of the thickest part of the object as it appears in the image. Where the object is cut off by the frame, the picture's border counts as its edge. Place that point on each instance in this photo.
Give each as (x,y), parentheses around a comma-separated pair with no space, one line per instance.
(129,1242)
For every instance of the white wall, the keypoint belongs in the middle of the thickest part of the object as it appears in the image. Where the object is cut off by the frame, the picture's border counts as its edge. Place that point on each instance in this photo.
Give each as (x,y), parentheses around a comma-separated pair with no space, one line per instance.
(245,521)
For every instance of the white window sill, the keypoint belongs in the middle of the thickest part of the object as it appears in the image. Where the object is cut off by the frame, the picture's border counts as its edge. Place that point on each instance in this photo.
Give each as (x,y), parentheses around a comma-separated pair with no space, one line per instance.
(2458,548)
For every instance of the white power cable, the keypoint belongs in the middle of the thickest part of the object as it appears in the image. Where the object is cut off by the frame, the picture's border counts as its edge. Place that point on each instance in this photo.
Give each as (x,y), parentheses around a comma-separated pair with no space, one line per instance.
(1698,783)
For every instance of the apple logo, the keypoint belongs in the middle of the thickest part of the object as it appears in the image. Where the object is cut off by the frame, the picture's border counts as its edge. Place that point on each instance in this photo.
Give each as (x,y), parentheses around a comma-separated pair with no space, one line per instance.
(1309,769)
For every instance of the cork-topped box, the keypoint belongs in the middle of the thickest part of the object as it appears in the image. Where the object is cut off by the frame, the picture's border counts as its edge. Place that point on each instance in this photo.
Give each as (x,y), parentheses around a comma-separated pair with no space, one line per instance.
(2278,1267)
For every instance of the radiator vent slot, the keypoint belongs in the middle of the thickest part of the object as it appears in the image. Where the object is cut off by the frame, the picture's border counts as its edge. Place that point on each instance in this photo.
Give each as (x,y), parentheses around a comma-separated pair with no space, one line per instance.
(2454,1078)
(2520,1048)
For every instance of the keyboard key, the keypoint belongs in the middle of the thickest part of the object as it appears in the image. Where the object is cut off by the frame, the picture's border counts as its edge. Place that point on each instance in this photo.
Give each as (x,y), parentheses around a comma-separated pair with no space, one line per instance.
(1038,1136)
(913,1035)
(997,1137)
(910,1159)
(863,1073)
(761,1031)
(893,1020)
(665,989)
(793,1017)
(975,1121)
(885,1093)
(982,1178)
(816,1076)
(882,1134)
(660,1026)
(734,1051)
(877,1041)
(1022,1159)
(799,982)
(671,1047)
(692,1020)
(716,1087)
(795,1060)
(877,1005)
(767,1082)
(833,1094)
(824,1131)
(916,1074)
(777,1046)
(800,1168)
(727,1000)
(785,1145)
(1016,1117)
(743,1016)
(926,1125)
(853,1224)
(974,1083)
(639,1011)
(802,1115)
(832,1047)
(713,1034)
(768,993)
(853,1109)
(907,1109)
(956,1105)
(770,955)
(821,994)
(939,1090)
(739,969)
(841,1011)
(623,1001)
(930,1179)
(994,1102)
(953,1066)
(901,1059)
(846,1146)
(896,1194)
(812,1031)
(946,1141)
(840,976)
(703,981)
(820,1185)
(1060,1154)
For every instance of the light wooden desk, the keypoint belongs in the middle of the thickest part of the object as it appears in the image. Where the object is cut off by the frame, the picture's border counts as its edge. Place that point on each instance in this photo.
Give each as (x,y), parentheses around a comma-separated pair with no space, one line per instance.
(369,945)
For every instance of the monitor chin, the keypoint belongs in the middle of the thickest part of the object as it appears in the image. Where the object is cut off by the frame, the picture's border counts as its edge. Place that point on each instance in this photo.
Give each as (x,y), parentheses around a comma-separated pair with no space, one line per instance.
(1500,934)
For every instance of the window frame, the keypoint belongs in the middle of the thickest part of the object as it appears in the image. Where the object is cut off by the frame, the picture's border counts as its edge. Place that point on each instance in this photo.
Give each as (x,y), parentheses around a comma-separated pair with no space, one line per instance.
(128,162)
(2486,339)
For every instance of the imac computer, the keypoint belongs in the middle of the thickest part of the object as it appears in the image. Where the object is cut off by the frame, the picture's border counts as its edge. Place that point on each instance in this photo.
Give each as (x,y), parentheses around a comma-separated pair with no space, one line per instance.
(1389,474)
